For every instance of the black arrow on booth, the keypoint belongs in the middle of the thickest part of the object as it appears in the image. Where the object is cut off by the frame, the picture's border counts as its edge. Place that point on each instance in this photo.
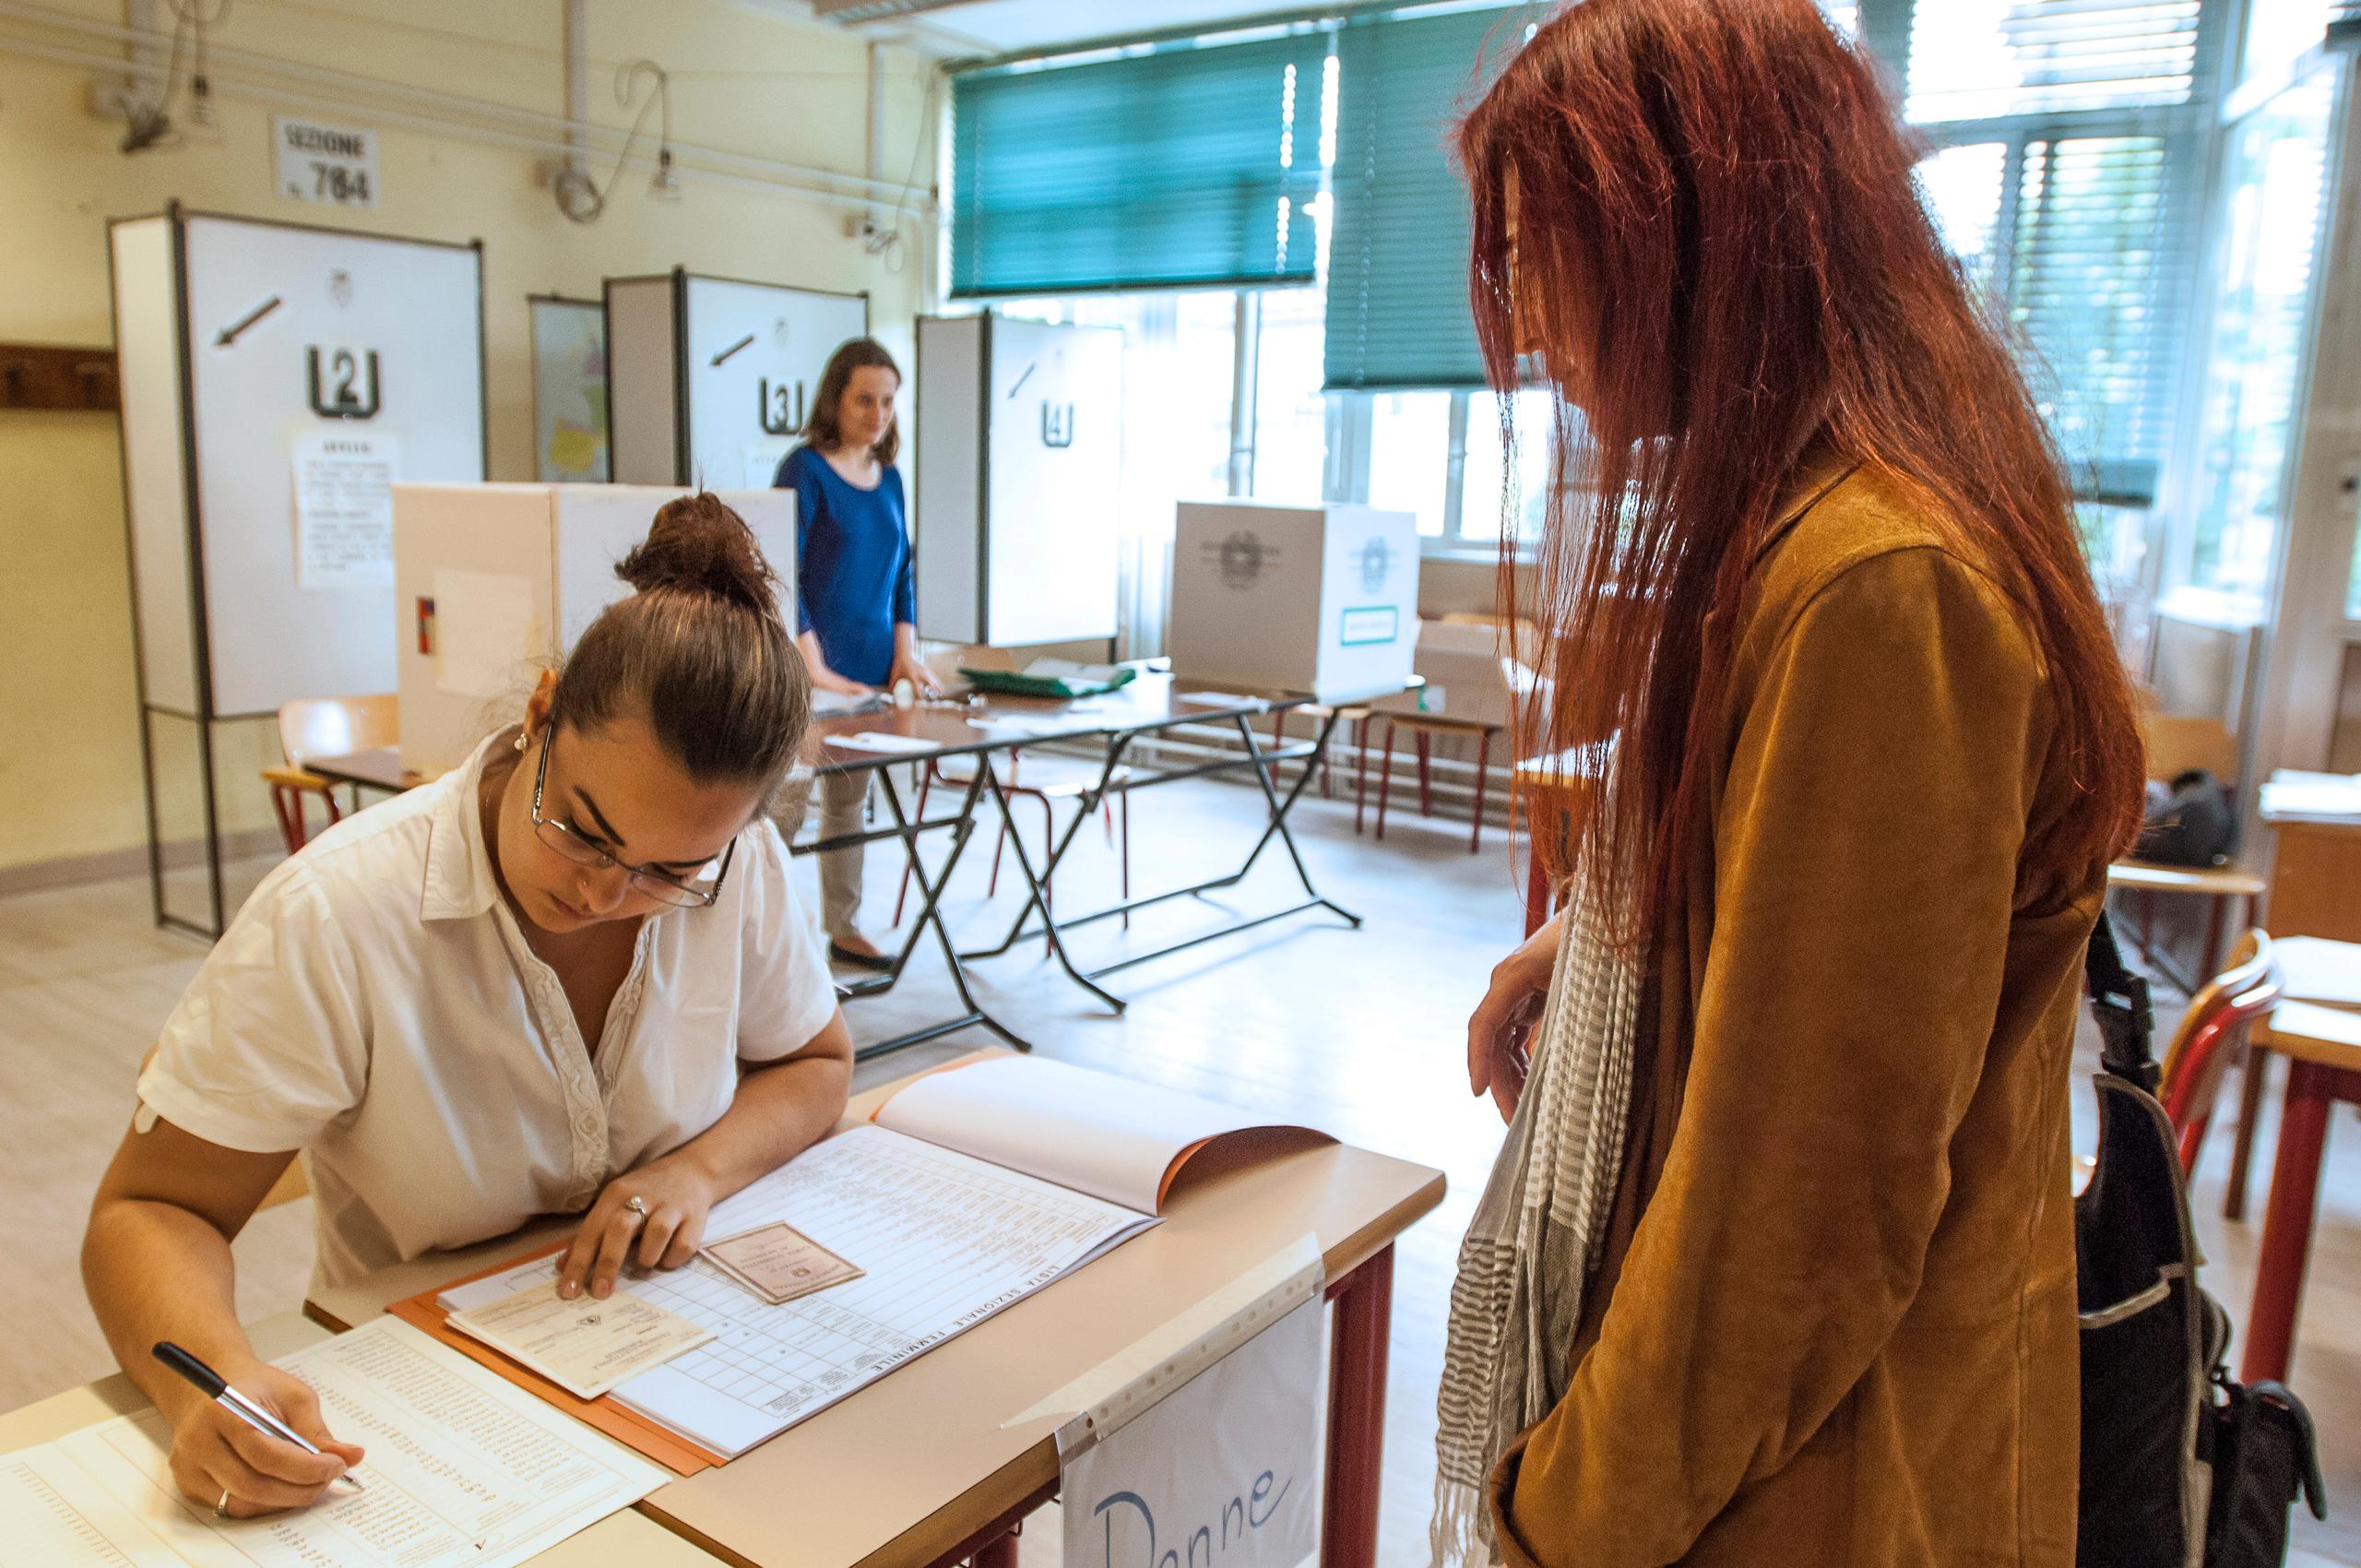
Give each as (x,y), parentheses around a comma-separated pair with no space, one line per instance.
(229,334)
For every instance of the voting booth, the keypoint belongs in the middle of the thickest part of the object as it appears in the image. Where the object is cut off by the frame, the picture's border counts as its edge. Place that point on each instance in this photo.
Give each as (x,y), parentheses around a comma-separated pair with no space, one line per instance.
(710,380)
(277,380)
(1020,450)
(1302,599)
(496,582)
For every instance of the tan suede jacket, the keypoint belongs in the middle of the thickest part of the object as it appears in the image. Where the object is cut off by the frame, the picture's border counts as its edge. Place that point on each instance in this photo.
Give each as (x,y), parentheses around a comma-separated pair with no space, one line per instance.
(1835,1322)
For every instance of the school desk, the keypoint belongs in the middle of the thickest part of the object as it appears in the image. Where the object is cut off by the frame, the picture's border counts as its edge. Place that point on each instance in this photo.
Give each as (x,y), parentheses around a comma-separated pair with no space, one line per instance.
(917,1468)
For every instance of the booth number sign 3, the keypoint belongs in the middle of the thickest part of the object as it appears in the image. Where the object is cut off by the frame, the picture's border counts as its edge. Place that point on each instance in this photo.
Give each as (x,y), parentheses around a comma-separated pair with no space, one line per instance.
(325,163)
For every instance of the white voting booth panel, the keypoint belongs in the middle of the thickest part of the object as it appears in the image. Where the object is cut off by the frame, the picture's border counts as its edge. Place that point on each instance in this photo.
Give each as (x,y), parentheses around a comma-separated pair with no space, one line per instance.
(1305,599)
(495,582)
(710,379)
(276,380)
(1020,435)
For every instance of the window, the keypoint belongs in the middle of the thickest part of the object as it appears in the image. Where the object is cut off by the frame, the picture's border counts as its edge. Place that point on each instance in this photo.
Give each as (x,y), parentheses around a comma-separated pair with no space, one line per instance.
(2278,33)
(2274,183)
(1481,499)
(1410,443)
(1988,59)
(1290,414)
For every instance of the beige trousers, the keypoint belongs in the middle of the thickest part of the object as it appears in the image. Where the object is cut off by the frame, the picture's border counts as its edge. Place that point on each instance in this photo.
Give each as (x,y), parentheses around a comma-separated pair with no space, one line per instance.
(843,797)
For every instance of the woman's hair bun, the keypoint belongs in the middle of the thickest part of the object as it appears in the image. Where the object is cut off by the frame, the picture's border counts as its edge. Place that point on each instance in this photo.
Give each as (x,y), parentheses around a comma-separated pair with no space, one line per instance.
(700,545)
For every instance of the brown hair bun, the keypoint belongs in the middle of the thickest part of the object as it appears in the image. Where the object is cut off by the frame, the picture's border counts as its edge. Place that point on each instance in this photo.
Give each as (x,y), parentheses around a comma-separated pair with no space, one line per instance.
(699,545)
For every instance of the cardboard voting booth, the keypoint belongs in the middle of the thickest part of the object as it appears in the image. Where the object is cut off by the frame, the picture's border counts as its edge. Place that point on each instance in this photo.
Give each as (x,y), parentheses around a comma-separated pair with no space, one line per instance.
(1020,437)
(493,582)
(710,380)
(277,380)
(1304,599)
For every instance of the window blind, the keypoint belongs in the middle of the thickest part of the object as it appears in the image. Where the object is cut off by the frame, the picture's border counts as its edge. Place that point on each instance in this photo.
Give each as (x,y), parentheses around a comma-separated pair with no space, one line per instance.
(1397,262)
(1181,166)
(2098,271)
(1983,59)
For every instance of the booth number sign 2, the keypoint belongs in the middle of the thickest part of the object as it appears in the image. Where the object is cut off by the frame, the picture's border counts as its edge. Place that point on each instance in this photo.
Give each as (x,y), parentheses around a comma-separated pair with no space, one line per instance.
(325,163)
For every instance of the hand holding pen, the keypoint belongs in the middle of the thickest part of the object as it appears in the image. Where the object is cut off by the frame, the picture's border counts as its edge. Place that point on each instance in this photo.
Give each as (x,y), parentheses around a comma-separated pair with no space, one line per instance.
(255,1449)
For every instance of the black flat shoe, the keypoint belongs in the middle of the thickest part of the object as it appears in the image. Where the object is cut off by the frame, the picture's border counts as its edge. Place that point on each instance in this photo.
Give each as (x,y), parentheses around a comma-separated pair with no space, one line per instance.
(840,954)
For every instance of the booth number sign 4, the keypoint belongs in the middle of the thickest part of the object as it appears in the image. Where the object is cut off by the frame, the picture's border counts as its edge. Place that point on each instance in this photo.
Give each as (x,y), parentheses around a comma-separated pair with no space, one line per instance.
(325,163)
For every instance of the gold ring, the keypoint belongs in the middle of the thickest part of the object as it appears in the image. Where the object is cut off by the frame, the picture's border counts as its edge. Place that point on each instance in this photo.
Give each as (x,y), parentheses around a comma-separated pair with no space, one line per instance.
(221,1509)
(638,1206)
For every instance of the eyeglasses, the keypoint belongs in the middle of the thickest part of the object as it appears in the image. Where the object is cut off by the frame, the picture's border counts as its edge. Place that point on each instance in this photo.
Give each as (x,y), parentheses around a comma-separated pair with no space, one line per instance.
(696,891)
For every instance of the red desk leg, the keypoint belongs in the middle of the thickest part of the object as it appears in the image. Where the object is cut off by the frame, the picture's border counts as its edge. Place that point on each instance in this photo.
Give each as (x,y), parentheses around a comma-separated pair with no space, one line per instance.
(2287,1222)
(1357,1412)
(1001,1553)
(1537,889)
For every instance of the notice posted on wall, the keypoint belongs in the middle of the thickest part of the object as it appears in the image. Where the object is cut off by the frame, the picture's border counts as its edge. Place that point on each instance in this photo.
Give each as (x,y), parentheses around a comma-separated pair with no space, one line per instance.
(344,509)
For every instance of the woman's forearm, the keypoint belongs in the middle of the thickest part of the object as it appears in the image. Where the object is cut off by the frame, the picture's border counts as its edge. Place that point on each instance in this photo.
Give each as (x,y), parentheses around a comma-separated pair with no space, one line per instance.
(156,1271)
(779,1113)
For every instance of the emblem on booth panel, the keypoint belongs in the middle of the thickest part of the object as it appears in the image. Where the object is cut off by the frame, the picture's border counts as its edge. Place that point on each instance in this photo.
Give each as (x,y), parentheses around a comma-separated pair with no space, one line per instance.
(340,288)
(1057,424)
(1242,558)
(334,397)
(779,333)
(1377,563)
(781,406)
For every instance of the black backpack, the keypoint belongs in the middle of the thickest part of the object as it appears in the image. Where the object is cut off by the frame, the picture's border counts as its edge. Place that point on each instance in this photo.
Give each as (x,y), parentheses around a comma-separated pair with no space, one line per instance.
(2180,1465)
(2188,822)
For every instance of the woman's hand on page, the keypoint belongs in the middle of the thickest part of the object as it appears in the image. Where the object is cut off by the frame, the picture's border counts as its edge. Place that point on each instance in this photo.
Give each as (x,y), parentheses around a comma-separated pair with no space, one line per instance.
(215,1455)
(1501,1030)
(663,1231)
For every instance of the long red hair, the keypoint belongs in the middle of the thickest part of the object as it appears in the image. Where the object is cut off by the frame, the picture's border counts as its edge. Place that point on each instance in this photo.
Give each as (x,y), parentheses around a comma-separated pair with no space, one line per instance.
(1701,216)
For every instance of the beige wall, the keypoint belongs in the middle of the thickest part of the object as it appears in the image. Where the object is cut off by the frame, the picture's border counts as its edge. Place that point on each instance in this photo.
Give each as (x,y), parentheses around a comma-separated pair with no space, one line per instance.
(743,82)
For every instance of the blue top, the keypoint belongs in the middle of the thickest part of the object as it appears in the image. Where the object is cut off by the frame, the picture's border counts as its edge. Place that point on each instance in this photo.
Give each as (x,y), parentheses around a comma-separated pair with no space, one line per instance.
(852,565)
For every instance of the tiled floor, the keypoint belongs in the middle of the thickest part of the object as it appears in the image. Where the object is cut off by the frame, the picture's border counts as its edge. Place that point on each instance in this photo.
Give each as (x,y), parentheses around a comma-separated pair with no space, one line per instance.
(1361,1033)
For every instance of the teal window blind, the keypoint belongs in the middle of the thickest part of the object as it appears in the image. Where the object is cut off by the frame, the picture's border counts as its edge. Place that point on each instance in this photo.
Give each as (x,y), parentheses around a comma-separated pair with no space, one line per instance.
(1187,166)
(2074,132)
(1397,260)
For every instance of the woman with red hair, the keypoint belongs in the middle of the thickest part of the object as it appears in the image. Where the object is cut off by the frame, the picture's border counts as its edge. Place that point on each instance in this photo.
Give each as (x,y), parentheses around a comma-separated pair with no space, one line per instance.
(1777,1263)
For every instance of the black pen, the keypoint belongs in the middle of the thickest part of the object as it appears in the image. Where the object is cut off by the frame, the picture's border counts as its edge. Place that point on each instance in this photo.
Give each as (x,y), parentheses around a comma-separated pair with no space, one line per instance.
(216,1388)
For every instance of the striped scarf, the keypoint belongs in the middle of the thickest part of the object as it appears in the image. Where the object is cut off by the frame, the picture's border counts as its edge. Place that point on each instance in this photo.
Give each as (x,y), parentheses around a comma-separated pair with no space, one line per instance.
(1538,1233)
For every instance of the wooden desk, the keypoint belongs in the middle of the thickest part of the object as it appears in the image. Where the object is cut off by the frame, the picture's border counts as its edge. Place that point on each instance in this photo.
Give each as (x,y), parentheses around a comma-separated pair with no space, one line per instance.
(1424,728)
(1546,785)
(2324,1048)
(626,1536)
(916,1467)
(2316,877)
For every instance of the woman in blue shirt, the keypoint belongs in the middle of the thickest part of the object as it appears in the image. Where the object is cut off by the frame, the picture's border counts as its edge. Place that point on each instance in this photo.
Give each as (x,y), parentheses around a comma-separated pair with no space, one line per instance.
(854,602)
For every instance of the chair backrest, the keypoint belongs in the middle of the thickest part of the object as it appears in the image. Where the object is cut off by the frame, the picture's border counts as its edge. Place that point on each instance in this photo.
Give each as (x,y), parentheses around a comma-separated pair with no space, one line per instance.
(2200,1050)
(2178,744)
(311,727)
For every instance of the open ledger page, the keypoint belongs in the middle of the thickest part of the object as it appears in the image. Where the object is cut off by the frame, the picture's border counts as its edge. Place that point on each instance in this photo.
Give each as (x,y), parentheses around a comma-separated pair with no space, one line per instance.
(1111,1137)
(462,1467)
(946,1240)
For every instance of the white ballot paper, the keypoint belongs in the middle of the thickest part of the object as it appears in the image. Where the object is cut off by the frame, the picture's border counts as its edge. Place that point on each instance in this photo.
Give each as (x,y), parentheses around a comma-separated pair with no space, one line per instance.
(585,1346)
(462,1467)
(947,1241)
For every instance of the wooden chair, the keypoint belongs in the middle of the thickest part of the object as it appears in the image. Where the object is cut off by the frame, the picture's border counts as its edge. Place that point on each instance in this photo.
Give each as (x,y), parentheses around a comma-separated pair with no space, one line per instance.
(2210,1036)
(313,727)
(2176,743)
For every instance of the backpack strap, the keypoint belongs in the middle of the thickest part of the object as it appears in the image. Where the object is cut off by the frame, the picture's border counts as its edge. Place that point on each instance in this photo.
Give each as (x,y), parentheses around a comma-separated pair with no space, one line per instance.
(2119,1002)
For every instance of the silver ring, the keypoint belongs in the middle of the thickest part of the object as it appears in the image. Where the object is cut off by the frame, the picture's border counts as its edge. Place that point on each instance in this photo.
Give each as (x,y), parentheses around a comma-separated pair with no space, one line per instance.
(637,1207)
(221,1509)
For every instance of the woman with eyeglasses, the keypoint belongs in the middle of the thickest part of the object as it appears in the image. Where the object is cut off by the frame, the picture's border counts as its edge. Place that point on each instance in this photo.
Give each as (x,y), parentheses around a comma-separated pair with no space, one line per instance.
(569,978)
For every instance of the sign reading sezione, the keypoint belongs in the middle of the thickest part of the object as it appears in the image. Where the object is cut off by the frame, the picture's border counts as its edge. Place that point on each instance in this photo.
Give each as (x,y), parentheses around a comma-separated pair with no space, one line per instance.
(325,163)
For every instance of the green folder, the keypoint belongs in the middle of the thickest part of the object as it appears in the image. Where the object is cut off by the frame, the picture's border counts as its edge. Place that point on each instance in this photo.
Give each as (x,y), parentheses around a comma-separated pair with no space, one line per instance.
(1052,678)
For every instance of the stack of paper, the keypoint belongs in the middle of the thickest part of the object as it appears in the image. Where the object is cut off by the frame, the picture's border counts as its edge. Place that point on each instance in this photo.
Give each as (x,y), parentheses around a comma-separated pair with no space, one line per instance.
(462,1467)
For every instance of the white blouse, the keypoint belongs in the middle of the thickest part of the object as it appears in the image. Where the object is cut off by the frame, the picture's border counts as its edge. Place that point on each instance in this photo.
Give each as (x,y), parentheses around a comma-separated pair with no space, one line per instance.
(374,1005)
